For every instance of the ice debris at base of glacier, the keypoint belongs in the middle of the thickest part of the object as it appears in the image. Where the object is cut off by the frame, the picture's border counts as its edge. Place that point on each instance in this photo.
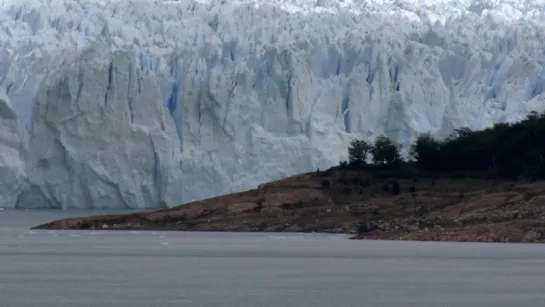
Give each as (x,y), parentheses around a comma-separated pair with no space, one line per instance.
(136,104)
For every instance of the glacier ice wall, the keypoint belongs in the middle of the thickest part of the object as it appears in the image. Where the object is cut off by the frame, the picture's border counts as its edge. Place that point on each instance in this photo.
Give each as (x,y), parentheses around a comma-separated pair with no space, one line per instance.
(12,170)
(136,104)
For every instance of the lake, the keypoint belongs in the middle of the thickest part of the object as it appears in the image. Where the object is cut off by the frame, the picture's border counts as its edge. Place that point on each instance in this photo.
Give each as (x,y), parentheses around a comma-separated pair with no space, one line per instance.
(137,269)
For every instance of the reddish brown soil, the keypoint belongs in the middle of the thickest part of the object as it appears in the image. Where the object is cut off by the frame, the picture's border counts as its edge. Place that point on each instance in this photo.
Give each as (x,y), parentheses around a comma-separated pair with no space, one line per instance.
(351,202)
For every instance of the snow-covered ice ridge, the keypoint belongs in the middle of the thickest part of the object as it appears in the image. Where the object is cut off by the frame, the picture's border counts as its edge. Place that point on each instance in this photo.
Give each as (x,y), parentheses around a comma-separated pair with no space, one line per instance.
(113,104)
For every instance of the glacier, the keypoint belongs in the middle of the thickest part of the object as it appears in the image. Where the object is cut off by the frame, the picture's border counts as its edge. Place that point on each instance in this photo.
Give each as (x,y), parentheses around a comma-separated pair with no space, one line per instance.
(140,104)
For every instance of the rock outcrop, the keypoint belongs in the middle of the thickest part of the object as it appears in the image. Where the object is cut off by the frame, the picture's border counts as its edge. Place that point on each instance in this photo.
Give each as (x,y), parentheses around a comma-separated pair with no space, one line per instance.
(355,202)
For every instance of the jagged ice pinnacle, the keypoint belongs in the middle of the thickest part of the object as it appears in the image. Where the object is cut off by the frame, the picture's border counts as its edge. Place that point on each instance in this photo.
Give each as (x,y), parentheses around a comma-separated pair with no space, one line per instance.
(134,104)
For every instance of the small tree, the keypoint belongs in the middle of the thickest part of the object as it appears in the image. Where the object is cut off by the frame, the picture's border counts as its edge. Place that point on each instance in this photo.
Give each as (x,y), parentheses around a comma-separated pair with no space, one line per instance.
(412,190)
(385,151)
(357,151)
(425,151)
(396,189)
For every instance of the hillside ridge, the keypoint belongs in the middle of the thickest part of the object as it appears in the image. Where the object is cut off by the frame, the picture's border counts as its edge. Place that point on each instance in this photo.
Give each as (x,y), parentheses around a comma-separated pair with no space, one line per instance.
(356,202)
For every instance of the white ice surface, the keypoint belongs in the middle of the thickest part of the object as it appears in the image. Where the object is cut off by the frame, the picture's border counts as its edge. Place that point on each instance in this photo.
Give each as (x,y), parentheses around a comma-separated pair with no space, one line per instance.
(114,104)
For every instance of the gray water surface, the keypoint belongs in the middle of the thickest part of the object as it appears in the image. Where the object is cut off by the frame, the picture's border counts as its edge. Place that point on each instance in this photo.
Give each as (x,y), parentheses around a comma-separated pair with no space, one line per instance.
(137,269)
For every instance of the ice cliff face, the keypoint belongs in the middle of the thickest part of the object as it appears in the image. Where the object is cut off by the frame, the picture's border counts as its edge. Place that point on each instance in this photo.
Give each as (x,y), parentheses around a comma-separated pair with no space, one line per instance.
(12,170)
(113,104)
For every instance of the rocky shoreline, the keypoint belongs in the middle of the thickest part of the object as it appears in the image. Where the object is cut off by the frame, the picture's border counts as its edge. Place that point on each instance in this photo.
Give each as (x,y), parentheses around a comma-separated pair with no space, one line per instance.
(355,202)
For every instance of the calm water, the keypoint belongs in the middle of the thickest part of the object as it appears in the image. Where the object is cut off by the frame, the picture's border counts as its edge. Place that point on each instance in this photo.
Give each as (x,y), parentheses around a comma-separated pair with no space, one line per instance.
(137,269)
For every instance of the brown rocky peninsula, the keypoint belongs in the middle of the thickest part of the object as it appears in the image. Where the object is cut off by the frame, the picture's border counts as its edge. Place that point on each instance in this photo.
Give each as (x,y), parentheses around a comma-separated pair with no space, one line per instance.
(352,201)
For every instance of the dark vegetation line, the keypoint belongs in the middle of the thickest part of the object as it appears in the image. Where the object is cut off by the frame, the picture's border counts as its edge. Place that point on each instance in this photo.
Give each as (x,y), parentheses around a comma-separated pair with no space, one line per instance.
(504,151)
